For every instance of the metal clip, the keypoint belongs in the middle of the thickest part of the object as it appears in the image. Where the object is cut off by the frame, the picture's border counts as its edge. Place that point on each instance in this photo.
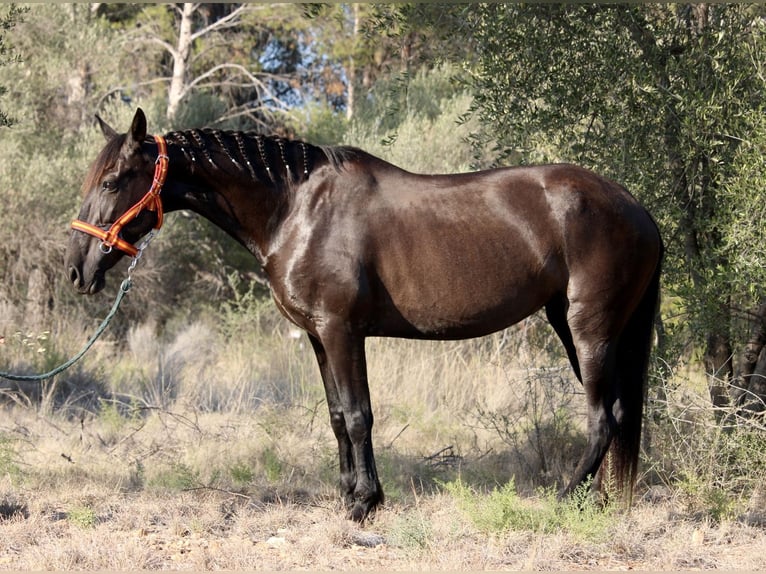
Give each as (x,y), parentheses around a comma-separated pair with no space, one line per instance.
(143,245)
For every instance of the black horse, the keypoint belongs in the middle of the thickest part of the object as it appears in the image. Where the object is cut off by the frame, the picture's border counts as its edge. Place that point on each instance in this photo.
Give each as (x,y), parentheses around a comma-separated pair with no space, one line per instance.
(355,247)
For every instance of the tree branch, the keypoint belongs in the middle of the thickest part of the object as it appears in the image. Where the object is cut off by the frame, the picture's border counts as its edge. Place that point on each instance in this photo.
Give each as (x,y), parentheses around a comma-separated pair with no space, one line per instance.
(230,21)
(253,80)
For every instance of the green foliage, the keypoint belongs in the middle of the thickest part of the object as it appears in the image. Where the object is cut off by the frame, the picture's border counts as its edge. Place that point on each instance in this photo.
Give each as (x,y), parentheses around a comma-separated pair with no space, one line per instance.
(503,509)
(273,467)
(7,54)
(116,416)
(407,95)
(246,308)
(539,428)
(177,476)
(137,476)
(743,232)
(241,473)
(706,498)
(716,465)
(658,97)
(82,516)
(318,124)
(416,124)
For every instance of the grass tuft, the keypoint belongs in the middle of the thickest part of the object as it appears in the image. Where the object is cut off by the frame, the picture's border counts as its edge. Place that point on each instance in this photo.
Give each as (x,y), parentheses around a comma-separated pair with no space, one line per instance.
(503,510)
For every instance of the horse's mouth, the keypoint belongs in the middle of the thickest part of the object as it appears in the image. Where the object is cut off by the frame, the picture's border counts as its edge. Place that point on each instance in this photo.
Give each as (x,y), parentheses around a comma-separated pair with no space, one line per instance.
(96,284)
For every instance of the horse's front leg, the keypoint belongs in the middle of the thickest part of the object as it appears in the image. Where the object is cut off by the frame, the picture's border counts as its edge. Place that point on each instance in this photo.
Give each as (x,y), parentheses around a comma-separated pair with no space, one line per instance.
(348,368)
(338,424)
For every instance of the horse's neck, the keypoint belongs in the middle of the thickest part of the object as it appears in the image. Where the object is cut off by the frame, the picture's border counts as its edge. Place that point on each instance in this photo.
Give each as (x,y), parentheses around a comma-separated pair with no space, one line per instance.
(238,181)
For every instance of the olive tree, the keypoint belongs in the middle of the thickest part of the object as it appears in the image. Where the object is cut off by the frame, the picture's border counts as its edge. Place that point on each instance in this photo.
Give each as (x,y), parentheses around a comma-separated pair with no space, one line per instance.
(665,98)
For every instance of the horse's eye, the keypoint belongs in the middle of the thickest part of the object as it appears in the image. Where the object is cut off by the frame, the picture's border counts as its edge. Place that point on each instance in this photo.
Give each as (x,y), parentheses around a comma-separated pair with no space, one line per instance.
(109,185)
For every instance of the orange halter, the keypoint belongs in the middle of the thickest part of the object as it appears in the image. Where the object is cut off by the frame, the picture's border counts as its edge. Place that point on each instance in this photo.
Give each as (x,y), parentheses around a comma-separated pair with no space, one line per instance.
(150,201)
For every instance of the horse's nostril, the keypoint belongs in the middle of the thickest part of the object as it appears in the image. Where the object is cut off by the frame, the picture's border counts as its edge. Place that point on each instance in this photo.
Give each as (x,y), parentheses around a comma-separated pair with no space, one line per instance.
(74,275)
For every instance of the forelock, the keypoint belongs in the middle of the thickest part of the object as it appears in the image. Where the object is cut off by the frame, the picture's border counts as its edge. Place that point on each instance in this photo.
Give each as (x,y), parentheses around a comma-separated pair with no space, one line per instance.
(104,162)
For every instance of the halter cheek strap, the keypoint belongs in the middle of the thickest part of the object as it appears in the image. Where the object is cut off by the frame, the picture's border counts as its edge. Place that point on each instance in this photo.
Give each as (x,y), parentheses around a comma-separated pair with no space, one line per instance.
(151,201)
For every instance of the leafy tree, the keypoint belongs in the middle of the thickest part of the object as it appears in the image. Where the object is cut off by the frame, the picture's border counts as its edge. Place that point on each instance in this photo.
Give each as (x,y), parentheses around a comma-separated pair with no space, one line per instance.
(370,51)
(7,54)
(665,98)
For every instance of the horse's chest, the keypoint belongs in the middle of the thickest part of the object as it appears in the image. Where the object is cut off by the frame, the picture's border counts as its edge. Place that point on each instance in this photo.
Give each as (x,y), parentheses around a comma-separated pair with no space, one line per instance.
(308,285)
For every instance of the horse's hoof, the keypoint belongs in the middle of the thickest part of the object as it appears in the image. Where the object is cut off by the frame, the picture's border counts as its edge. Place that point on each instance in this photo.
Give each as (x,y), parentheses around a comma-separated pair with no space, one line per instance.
(362,510)
(358,513)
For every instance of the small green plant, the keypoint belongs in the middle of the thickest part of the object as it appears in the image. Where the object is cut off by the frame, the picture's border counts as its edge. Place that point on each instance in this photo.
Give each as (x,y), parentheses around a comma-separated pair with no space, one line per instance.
(137,477)
(583,515)
(503,509)
(702,495)
(178,477)
(82,516)
(114,415)
(241,473)
(8,459)
(716,468)
(272,465)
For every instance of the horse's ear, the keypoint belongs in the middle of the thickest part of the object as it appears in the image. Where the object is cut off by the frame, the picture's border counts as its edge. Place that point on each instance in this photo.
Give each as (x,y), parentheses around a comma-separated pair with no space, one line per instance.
(137,133)
(106,129)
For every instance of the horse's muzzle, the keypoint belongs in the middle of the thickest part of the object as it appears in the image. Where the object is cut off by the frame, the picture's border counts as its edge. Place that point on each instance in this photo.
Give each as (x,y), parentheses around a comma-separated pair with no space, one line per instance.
(96,284)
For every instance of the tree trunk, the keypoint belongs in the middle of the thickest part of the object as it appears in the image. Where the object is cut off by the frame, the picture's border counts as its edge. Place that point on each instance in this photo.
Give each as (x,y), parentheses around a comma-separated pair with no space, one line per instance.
(751,378)
(351,70)
(718,366)
(180,54)
(39,300)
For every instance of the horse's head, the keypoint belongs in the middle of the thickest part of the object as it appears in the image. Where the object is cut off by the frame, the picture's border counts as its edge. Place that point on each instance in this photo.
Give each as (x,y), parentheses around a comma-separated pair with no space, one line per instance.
(117,210)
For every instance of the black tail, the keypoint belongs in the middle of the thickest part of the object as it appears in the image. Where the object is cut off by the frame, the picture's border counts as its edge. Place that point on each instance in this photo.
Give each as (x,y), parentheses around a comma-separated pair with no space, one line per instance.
(633,354)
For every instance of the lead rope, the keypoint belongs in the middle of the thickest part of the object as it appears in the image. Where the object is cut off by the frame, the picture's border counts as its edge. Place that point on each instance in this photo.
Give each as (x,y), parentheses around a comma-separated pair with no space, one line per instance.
(124,288)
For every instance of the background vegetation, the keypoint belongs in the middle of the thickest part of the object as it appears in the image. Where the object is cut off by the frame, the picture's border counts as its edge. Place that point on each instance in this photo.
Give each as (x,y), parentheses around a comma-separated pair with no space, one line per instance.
(665,98)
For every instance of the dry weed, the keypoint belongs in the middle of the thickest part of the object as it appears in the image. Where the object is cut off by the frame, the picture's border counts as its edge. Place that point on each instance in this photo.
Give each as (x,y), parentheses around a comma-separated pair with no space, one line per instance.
(83,512)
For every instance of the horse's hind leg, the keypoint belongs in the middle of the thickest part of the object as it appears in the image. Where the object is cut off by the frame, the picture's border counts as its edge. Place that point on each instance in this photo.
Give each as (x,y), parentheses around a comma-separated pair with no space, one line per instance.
(556,311)
(347,363)
(596,354)
(338,424)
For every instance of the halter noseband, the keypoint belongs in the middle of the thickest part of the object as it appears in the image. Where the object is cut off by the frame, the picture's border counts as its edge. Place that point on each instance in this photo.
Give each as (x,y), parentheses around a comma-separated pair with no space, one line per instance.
(151,201)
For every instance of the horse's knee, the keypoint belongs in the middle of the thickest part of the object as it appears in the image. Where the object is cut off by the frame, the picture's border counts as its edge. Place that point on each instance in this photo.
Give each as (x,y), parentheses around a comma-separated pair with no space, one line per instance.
(359,427)
(338,424)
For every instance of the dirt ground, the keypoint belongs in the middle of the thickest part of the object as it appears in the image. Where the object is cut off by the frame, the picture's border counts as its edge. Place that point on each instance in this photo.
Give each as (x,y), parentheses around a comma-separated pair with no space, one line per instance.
(204,529)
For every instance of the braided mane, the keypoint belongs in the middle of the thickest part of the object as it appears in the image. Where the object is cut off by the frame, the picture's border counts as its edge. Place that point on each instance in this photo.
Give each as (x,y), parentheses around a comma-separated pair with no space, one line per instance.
(260,158)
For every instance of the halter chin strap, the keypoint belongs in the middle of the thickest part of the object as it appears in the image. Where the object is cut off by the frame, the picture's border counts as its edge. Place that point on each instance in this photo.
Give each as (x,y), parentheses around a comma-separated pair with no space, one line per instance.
(151,201)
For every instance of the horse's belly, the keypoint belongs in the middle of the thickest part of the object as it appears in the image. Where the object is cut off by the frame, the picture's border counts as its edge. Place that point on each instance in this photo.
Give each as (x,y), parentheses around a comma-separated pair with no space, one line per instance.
(461,307)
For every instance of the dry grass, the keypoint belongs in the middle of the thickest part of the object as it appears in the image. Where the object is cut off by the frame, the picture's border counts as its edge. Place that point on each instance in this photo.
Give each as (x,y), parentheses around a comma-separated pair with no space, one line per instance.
(72,499)
(209,448)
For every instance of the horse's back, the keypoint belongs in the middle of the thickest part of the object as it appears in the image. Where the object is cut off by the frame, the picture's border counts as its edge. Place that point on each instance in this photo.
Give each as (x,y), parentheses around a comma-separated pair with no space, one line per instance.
(468,254)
